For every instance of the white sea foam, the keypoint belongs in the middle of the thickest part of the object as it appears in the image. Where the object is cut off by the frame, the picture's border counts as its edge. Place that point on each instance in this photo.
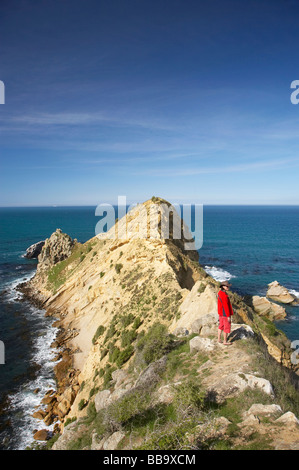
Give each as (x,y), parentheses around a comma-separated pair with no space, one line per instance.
(294,292)
(12,294)
(28,398)
(218,274)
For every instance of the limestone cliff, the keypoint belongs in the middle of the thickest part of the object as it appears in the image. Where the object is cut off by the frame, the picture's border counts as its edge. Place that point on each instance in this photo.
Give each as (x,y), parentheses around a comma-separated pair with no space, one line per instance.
(109,292)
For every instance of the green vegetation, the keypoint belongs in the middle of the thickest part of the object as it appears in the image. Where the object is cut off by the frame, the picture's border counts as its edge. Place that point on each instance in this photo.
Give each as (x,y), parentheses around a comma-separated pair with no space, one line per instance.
(60,272)
(70,420)
(82,404)
(155,343)
(118,267)
(201,288)
(98,333)
(124,355)
(286,394)
(188,421)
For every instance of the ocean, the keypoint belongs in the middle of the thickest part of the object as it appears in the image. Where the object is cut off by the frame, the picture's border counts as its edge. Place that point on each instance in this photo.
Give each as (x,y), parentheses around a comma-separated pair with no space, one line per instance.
(249,245)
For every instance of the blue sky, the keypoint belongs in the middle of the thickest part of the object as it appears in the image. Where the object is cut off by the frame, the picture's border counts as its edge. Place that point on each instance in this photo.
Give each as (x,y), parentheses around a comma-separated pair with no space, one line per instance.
(189,101)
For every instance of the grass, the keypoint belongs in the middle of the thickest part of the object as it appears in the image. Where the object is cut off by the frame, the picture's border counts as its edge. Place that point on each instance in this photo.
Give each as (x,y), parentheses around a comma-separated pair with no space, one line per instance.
(58,274)
(233,408)
(286,394)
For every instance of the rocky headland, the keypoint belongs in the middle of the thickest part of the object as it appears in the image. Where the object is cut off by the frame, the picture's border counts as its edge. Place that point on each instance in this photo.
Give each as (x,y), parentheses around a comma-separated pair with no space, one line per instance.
(138,364)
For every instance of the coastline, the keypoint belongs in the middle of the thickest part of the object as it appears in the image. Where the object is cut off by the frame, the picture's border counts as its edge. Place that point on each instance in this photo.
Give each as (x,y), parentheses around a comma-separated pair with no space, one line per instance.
(103,280)
(46,410)
(64,361)
(32,376)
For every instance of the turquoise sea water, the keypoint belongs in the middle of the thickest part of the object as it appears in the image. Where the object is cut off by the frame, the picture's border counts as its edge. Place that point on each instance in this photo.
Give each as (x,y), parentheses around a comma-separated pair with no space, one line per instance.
(250,245)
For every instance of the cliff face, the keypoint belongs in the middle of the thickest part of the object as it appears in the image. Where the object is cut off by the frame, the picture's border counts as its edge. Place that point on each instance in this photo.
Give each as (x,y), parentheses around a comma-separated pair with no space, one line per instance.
(112,291)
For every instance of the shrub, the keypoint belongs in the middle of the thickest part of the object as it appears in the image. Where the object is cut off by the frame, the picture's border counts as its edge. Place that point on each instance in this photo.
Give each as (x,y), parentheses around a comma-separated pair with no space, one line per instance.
(124,355)
(93,391)
(137,323)
(104,353)
(82,385)
(201,288)
(69,421)
(188,398)
(82,404)
(111,332)
(155,343)
(128,337)
(108,375)
(131,404)
(114,353)
(118,267)
(98,333)
(126,320)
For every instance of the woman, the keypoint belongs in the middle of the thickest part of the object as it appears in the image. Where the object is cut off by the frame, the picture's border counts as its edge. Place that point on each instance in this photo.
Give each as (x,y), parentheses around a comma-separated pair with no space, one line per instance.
(225,312)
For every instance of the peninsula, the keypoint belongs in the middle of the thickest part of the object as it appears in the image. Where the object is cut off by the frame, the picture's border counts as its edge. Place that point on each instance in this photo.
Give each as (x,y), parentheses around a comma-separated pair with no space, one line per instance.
(138,364)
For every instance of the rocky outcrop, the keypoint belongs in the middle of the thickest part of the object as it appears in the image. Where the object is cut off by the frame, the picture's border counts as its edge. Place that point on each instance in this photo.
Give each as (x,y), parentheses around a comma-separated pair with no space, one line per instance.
(259,410)
(34,250)
(281,294)
(55,249)
(200,302)
(271,310)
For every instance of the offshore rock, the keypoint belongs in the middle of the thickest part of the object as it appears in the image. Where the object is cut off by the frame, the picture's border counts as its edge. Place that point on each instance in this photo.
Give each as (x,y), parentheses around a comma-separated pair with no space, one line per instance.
(34,250)
(271,310)
(281,294)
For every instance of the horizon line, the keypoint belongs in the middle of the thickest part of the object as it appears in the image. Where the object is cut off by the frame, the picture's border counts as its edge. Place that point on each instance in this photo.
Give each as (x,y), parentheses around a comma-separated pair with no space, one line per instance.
(54,206)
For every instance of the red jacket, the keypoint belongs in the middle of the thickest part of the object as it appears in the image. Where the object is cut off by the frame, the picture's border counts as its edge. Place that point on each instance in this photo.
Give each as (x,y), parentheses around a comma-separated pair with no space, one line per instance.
(224,306)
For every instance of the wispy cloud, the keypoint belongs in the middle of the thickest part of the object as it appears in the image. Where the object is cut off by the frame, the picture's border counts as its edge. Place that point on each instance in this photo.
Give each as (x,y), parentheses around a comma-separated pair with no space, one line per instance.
(198,170)
(81,118)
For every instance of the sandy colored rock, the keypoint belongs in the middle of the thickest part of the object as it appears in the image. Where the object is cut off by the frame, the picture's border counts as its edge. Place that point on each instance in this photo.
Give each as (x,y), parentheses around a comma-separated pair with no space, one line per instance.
(39,414)
(197,305)
(235,383)
(41,435)
(201,344)
(258,409)
(113,441)
(102,399)
(271,310)
(288,418)
(281,294)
